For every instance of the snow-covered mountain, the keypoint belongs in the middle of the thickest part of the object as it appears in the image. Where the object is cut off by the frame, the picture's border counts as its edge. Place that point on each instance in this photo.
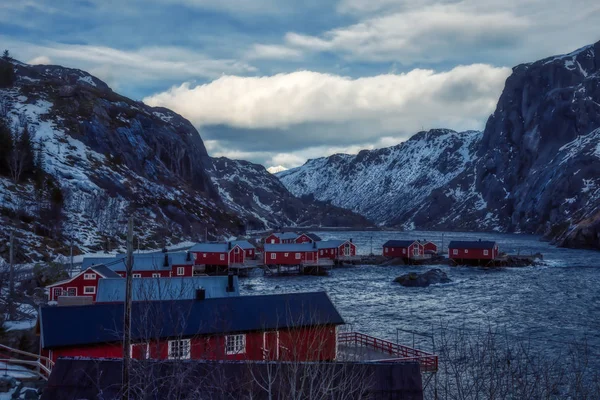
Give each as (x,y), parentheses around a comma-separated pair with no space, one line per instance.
(386,185)
(535,168)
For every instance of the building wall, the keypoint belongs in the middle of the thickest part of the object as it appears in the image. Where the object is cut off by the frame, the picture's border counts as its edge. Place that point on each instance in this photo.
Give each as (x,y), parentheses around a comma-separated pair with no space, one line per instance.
(188,270)
(236,258)
(272,239)
(352,250)
(473,254)
(78,283)
(290,259)
(337,253)
(430,247)
(403,252)
(148,274)
(249,253)
(210,258)
(303,239)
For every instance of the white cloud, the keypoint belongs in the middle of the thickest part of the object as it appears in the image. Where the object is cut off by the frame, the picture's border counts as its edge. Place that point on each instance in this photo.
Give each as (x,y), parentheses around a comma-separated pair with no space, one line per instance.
(459,98)
(272,52)
(40,60)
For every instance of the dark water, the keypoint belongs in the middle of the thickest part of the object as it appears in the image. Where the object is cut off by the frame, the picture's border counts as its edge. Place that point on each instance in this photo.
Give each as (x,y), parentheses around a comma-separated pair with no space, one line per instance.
(549,306)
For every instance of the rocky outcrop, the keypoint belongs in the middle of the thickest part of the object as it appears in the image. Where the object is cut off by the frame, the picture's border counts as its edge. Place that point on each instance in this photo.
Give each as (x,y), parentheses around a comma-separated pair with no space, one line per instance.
(431,277)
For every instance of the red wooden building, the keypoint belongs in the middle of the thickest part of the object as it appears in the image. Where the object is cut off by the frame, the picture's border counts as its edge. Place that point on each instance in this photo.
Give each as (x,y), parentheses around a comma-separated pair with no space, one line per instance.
(307,238)
(290,254)
(147,265)
(281,237)
(472,251)
(429,247)
(249,249)
(336,249)
(403,249)
(296,326)
(217,254)
(84,283)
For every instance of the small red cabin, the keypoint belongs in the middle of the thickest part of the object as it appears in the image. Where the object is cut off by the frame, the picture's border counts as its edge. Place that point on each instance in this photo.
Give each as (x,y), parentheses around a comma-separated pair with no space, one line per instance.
(249,249)
(281,238)
(336,249)
(295,326)
(84,283)
(219,254)
(403,249)
(472,250)
(290,254)
(308,238)
(429,247)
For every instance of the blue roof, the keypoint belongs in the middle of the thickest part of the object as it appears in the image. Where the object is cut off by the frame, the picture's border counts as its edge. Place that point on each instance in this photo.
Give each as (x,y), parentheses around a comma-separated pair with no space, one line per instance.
(176,288)
(313,236)
(286,235)
(330,244)
(289,247)
(244,244)
(474,244)
(141,262)
(212,247)
(105,271)
(398,243)
(103,323)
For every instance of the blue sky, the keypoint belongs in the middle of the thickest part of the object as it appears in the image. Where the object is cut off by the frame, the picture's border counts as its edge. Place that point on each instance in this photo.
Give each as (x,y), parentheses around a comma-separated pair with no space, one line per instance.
(277,82)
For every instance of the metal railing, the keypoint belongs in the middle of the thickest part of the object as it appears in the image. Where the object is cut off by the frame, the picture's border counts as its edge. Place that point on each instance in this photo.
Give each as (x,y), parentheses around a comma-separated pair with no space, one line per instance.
(38,365)
(428,361)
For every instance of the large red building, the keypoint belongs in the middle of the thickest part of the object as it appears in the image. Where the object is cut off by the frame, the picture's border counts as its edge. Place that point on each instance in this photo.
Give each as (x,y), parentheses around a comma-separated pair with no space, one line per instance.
(84,283)
(217,254)
(290,254)
(403,249)
(147,265)
(281,237)
(296,326)
(336,249)
(472,251)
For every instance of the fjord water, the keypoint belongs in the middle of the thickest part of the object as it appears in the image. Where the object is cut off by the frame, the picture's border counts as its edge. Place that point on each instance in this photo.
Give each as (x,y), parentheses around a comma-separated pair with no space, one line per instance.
(548,306)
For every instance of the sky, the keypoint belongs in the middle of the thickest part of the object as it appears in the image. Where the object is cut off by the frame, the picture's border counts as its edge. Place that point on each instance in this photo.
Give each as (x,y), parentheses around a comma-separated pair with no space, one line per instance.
(279,82)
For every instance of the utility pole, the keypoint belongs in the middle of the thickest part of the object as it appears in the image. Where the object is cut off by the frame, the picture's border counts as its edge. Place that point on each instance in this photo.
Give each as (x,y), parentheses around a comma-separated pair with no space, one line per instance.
(127,316)
(442,248)
(71,254)
(11,294)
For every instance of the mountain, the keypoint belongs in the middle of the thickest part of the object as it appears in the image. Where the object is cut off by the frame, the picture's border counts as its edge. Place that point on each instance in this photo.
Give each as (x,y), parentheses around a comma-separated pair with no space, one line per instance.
(387,185)
(77,159)
(535,168)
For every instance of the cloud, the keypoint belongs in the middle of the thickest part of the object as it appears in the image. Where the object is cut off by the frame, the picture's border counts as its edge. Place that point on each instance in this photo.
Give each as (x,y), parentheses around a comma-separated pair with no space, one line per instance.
(40,60)
(272,52)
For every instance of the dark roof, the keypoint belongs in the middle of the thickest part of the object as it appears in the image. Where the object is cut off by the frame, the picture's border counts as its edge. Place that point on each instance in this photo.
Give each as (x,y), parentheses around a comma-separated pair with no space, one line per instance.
(285,235)
(313,236)
(141,262)
(244,244)
(474,244)
(80,378)
(105,271)
(398,243)
(103,323)
(289,247)
(330,244)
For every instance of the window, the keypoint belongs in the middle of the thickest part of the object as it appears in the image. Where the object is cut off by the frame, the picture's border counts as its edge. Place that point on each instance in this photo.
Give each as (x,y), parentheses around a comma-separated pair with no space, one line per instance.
(466,251)
(298,256)
(235,344)
(89,277)
(89,290)
(140,351)
(455,251)
(486,253)
(180,270)
(273,241)
(204,255)
(71,291)
(285,254)
(236,250)
(222,257)
(155,275)
(386,249)
(57,292)
(137,275)
(273,256)
(179,349)
(403,251)
(321,252)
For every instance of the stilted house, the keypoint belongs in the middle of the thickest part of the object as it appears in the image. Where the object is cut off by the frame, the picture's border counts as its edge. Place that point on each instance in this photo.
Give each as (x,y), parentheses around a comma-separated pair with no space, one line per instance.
(429,247)
(336,249)
(147,265)
(290,254)
(308,238)
(112,290)
(296,326)
(281,238)
(217,254)
(472,251)
(402,249)
(249,249)
(83,284)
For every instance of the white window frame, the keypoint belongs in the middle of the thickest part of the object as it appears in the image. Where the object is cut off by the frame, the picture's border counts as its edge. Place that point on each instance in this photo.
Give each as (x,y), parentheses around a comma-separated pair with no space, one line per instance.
(85,289)
(386,249)
(272,241)
(136,275)
(184,353)
(286,254)
(298,256)
(71,288)
(455,252)
(236,250)
(180,271)
(222,257)
(57,292)
(273,256)
(486,252)
(89,277)
(204,255)
(155,275)
(235,344)
(321,252)
(466,251)
(146,353)
(403,251)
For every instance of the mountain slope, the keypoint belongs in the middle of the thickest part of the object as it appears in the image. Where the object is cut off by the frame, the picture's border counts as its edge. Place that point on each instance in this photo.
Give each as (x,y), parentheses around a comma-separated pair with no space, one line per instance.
(386,185)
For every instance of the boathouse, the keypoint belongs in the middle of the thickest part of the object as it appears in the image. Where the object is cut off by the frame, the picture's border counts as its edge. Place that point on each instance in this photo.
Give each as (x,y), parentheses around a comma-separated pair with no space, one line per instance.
(147,265)
(178,288)
(472,251)
(217,254)
(295,326)
(429,247)
(249,249)
(308,238)
(403,249)
(281,238)
(336,249)
(84,284)
(290,254)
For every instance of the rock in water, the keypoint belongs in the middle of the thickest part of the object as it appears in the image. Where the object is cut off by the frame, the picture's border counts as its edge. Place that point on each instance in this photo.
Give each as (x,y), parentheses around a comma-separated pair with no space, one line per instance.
(431,277)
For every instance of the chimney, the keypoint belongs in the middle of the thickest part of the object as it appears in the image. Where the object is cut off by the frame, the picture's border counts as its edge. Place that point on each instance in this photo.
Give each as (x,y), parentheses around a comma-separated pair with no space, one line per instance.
(188,256)
(229,245)
(200,294)
(230,287)
(350,240)
(166,263)
(314,245)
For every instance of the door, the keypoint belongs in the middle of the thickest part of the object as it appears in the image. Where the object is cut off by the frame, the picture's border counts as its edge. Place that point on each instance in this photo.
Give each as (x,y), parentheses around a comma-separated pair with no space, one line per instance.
(416,250)
(347,250)
(271,345)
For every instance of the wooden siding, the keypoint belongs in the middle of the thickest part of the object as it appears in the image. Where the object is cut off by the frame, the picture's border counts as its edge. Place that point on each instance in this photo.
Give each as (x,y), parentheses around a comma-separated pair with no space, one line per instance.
(303,239)
(403,252)
(76,285)
(473,254)
(337,252)
(289,257)
(220,258)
